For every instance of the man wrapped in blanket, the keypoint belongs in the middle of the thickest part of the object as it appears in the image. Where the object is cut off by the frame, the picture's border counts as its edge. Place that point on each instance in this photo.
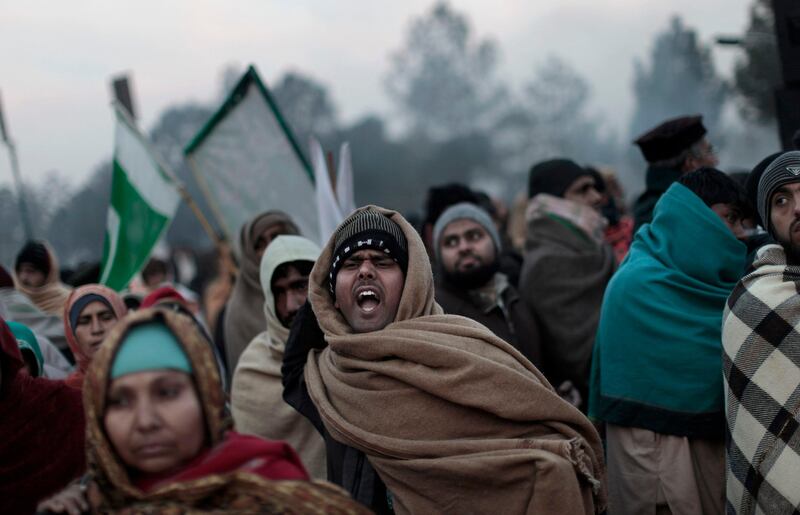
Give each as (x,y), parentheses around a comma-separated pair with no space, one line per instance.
(761,361)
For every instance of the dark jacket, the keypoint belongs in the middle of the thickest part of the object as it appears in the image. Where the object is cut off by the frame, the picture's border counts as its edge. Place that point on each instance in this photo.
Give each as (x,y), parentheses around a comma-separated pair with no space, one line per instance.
(657,181)
(511,320)
(347,467)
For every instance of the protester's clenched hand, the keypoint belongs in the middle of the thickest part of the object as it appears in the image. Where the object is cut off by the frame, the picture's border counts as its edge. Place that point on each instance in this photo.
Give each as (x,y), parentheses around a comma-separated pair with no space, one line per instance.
(569,393)
(71,500)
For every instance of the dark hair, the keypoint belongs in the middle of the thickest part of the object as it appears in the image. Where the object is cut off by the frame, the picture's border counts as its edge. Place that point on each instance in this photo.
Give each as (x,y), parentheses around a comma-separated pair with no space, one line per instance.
(302,266)
(599,181)
(554,176)
(35,254)
(714,187)
(153,267)
(132,302)
(442,197)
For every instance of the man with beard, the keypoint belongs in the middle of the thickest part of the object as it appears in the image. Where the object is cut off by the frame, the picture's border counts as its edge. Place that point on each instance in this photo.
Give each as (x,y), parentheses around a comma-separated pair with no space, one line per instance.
(467,248)
(424,412)
(761,361)
(257,403)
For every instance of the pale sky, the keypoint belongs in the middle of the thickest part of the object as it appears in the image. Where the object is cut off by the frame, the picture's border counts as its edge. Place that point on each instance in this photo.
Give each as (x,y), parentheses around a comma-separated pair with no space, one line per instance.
(57,57)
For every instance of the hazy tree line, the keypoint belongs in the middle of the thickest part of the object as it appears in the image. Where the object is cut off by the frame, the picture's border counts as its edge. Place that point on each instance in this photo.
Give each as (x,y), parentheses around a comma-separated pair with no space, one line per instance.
(461,121)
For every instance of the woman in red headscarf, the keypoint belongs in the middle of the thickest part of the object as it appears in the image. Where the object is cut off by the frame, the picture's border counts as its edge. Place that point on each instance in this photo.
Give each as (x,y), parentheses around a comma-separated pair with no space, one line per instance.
(41,430)
(89,314)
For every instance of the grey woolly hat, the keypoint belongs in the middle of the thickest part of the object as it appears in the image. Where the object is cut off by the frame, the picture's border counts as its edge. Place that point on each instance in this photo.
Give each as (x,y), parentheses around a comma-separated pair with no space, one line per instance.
(367,229)
(783,170)
(468,211)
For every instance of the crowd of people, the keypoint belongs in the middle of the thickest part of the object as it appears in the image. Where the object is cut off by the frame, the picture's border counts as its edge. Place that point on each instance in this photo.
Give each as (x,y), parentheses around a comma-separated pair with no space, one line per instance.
(566,355)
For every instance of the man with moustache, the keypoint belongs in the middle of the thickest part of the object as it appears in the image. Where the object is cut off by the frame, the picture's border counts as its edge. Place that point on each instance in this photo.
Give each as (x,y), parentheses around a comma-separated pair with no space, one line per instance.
(470,284)
(423,412)
(257,403)
(761,361)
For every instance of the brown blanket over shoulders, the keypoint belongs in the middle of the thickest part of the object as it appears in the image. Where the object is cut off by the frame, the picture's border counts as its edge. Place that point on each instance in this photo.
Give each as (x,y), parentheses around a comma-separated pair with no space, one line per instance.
(453,418)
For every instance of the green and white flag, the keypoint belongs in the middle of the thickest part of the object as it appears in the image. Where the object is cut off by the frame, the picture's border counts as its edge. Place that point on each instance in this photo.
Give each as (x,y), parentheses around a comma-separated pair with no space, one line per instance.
(246,160)
(143,201)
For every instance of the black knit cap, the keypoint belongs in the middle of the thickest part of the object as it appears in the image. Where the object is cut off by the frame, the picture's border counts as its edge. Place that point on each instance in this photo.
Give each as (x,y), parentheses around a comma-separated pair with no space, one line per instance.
(670,138)
(553,176)
(368,229)
(34,253)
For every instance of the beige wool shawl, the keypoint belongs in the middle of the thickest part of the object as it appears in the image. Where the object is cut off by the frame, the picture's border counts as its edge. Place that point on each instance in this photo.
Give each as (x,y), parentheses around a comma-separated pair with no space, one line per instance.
(52,295)
(257,401)
(453,418)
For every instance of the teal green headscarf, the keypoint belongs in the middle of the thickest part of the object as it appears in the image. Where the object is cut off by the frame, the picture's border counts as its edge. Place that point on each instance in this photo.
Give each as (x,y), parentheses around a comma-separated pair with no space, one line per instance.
(150,346)
(27,342)
(657,360)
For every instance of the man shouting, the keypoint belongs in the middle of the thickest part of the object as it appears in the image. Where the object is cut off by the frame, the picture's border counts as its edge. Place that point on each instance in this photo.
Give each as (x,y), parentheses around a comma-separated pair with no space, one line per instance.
(423,412)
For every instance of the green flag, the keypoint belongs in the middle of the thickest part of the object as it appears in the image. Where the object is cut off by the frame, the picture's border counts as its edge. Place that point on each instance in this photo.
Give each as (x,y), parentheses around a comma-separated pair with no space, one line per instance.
(247,161)
(143,201)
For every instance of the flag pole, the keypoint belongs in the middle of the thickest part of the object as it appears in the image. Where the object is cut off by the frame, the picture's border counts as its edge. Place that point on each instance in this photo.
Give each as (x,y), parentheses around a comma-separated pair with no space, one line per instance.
(182,191)
(219,243)
(198,177)
(12,154)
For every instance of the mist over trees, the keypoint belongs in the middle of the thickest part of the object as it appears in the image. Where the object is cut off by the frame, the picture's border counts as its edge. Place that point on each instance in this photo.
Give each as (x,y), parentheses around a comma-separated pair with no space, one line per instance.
(461,121)
(307,105)
(444,79)
(757,73)
(680,75)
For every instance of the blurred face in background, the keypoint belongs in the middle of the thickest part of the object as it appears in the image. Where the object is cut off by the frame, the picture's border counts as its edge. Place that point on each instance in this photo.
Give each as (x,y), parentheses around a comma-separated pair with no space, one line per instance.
(290,290)
(92,326)
(705,156)
(263,240)
(465,245)
(732,216)
(30,276)
(583,190)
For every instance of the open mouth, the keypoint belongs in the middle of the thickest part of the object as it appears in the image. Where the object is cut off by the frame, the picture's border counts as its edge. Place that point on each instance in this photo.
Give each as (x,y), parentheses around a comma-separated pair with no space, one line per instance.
(368,299)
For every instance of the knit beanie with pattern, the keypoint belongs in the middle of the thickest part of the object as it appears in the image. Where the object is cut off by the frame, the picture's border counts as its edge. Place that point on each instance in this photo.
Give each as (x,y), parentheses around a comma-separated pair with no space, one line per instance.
(364,230)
